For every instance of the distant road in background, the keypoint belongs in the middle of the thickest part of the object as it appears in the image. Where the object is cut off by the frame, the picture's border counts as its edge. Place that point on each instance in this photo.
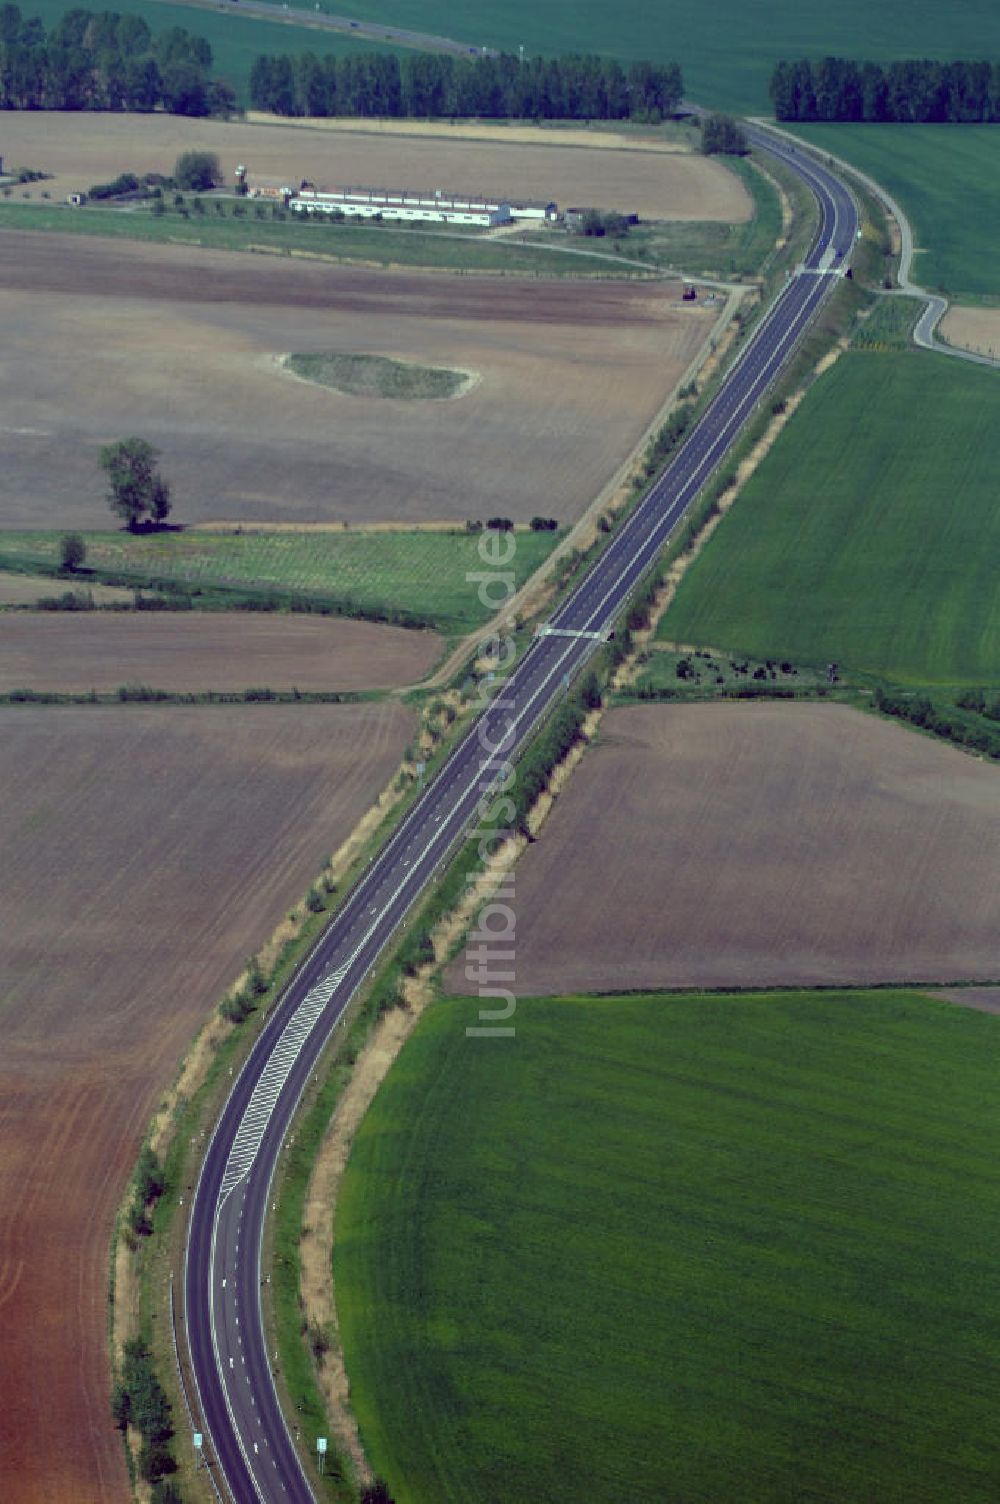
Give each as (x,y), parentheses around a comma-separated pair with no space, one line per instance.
(320,20)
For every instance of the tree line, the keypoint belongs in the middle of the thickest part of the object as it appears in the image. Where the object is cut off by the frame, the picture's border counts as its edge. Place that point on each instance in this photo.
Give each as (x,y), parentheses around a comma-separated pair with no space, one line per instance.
(92,60)
(427,85)
(909,91)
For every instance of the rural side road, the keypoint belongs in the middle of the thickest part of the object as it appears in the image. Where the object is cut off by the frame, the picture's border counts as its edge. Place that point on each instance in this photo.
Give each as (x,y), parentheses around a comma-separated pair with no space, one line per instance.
(936,307)
(318,20)
(247,1441)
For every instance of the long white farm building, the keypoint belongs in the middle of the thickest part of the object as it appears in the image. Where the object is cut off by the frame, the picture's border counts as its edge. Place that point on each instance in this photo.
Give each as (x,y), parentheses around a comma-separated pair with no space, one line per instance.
(407,204)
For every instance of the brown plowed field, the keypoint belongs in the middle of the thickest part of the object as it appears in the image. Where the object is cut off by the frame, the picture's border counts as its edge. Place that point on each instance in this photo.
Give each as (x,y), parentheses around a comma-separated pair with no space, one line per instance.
(134,886)
(84,149)
(199,651)
(180,345)
(730,845)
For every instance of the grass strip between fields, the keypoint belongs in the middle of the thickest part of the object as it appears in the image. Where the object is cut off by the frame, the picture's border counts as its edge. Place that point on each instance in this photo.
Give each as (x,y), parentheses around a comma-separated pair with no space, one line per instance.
(415,578)
(371,246)
(147,694)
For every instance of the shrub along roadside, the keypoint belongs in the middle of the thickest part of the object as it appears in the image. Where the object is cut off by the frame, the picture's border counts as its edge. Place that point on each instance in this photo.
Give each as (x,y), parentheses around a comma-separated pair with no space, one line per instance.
(962,722)
(139,1401)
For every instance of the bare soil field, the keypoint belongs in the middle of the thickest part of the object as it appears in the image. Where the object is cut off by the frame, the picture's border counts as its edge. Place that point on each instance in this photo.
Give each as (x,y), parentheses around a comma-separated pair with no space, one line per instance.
(975,329)
(182,346)
(134,886)
(86,149)
(199,651)
(745,845)
(26,589)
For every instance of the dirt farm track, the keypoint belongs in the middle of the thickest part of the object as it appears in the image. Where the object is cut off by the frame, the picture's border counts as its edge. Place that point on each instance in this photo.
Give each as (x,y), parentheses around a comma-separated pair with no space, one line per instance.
(135,887)
(748,845)
(181,346)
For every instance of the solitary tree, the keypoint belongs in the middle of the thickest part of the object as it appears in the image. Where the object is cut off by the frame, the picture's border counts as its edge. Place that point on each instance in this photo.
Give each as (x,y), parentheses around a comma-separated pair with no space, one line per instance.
(720,133)
(377,1493)
(72,552)
(197,171)
(137,490)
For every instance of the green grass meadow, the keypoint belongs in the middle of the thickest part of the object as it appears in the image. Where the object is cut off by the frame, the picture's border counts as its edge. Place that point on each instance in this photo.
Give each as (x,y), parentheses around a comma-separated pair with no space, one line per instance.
(378,376)
(423,573)
(372,245)
(945,177)
(870,533)
(680,1248)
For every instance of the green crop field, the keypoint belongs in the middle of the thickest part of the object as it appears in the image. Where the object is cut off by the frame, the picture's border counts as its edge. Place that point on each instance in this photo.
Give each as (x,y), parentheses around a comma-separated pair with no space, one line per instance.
(944,177)
(870,533)
(423,573)
(680,1248)
(727,50)
(236,40)
(374,245)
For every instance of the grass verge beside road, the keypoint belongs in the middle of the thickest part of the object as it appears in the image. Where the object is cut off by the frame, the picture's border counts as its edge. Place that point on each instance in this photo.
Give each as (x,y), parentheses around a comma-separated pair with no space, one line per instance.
(710,248)
(417,575)
(679,1247)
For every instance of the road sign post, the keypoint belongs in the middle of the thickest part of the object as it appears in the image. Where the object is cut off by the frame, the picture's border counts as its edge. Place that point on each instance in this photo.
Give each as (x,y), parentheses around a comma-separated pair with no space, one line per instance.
(321,1451)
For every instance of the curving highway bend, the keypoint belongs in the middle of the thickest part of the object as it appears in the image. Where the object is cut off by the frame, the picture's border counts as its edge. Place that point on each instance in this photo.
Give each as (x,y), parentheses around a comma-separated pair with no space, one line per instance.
(247,1441)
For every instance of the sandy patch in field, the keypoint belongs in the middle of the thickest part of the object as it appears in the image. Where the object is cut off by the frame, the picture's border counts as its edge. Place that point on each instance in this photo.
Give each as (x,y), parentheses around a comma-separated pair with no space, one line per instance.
(134,885)
(25,590)
(170,343)
(84,149)
(761,845)
(976,329)
(199,651)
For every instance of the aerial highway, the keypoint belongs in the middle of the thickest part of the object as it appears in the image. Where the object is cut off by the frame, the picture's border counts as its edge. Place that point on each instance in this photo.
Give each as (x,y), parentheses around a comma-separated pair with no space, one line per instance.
(246,1437)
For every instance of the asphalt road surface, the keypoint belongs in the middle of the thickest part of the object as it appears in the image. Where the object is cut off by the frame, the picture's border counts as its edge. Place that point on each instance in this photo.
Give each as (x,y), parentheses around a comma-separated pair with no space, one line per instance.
(247,1442)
